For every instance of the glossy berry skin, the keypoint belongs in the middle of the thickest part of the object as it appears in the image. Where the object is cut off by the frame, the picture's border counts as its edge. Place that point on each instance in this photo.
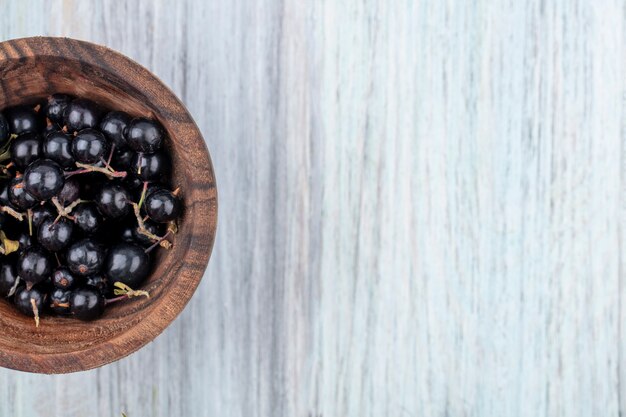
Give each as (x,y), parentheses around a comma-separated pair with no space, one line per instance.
(55,107)
(23,299)
(34,265)
(85,257)
(87,218)
(26,149)
(25,240)
(122,160)
(55,236)
(18,195)
(81,114)
(8,276)
(57,147)
(60,301)
(63,278)
(145,135)
(22,119)
(41,213)
(89,146)
(98,281)
(151,167)
(43,179)
(87,303)
(162,206)
(4,129)
(113,126)
(70,192)
(127,263)
(113,201)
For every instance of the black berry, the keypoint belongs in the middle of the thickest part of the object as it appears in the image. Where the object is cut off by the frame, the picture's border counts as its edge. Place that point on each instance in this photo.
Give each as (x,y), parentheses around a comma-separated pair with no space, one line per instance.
(43,179)
(89,146)
(87,303)
(85,257)
(127,263)
(34,265)
(163,206)
(145,135)
(81,114)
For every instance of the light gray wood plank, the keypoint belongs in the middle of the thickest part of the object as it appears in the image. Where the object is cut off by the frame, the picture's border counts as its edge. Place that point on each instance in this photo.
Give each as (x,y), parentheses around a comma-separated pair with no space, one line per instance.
(421,209)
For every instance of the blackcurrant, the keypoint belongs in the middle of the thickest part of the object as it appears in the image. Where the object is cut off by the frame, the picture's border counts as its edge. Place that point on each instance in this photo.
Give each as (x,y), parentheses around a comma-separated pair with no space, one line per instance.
(43,179)
(127,263)
(163,206)
(81,114)
(55,236)
(8,276)
(151,167)
(55,107)
(113,126)
(70,191)
(98,281)
(41,213)
(87,303)
(25,240)
(57,146)
(87,218)
(60,301)
(145,135)
(18,195)
(34,265)
(24,299)
(63,278)
(113,201)
(85,257)
(89,146)
(26,149)
(22,119)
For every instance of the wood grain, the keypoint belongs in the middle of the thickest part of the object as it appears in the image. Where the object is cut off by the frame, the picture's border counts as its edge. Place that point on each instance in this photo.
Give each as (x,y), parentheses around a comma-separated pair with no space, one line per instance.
(36,67)
(422,209)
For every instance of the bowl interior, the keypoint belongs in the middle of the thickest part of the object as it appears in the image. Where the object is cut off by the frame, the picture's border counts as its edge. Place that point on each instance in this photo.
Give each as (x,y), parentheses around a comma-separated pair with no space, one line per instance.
(60,344)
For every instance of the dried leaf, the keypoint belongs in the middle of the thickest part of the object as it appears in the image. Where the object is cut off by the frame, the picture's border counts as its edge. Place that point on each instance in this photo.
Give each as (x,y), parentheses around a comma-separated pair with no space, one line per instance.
(8,245)
(123,289)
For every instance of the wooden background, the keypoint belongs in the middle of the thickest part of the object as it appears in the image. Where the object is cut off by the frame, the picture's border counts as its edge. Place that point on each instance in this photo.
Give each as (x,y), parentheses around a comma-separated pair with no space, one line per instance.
(422,209)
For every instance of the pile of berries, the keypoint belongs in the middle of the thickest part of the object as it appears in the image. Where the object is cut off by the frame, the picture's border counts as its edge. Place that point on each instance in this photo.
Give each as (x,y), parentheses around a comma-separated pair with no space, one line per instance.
(85,198)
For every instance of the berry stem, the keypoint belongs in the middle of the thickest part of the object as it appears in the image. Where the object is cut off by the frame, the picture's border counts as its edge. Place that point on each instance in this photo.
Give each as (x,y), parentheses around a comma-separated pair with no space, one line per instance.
(10,211)
(35,311)
(143,193)
(108,171)
(14,287)
(139,162)
(158,242)
(64,211)
(110,155)
(115,299)
(30,221)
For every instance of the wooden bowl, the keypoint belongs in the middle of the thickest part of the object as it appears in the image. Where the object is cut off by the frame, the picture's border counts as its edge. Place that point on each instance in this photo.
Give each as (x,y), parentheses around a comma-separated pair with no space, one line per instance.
(36,67)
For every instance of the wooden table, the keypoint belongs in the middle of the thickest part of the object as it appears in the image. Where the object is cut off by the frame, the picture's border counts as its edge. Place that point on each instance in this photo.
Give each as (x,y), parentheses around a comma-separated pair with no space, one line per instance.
(422,209)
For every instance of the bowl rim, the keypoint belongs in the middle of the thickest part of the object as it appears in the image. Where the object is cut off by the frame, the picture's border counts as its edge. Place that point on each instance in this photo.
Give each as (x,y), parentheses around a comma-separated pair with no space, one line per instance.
(164,313)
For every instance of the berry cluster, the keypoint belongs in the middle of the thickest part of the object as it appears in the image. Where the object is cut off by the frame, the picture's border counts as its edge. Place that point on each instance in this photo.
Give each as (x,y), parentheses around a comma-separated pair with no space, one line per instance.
(85,197)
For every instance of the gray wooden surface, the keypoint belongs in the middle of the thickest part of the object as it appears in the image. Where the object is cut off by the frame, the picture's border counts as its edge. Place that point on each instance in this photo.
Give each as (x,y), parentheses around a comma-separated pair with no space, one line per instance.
(422,209)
